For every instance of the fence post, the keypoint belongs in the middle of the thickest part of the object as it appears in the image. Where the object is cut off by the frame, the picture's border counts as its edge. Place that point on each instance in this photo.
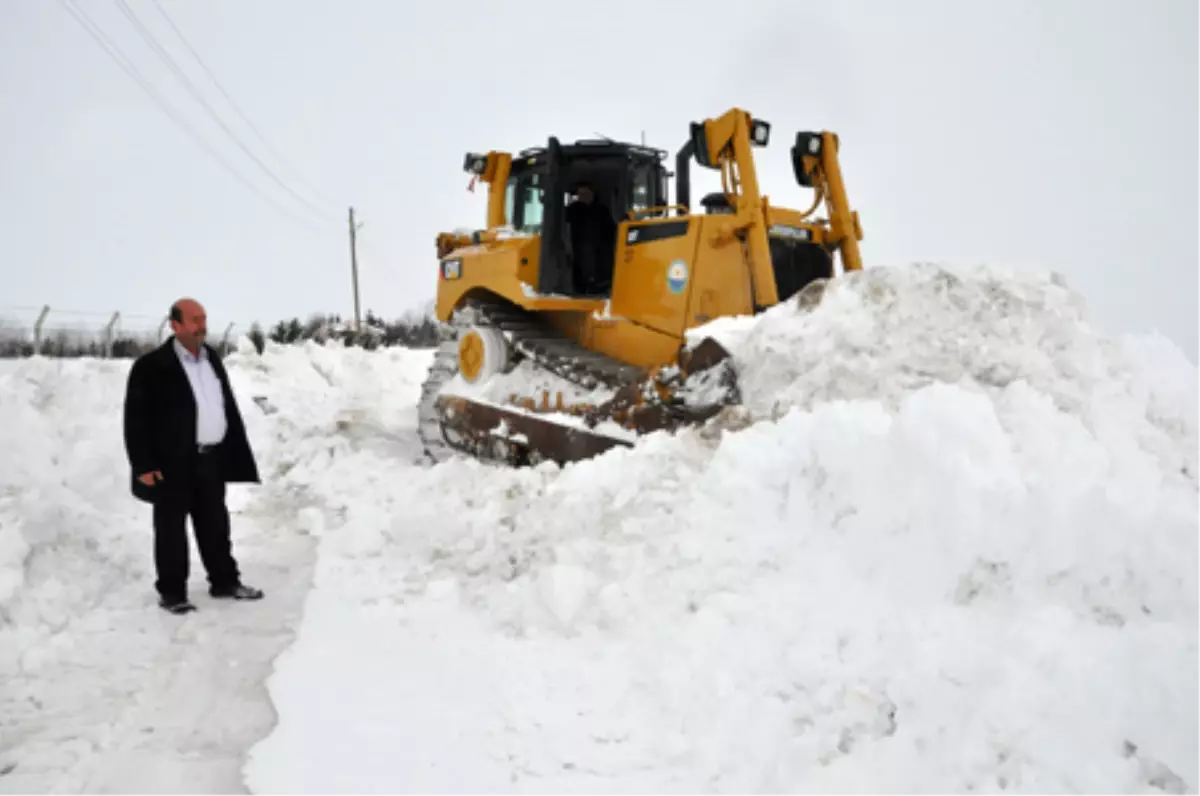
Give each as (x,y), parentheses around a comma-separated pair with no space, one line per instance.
(37,329)
(108,335)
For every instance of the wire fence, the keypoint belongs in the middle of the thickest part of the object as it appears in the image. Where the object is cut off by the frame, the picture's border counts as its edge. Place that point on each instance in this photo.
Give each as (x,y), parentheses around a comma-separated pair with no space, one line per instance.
(45,331)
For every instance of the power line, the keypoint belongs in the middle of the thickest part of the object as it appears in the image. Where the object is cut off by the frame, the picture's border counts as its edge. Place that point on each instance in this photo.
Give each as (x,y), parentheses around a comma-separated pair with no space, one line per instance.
(191,88)
(127,66)
(278,156)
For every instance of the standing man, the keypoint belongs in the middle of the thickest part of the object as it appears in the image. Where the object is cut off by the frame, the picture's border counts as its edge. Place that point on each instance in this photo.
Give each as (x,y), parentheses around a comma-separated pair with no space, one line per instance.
(185,441)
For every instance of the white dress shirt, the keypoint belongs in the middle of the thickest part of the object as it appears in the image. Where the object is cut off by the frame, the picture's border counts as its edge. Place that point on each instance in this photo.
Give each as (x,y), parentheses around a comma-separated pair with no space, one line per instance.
(206,387)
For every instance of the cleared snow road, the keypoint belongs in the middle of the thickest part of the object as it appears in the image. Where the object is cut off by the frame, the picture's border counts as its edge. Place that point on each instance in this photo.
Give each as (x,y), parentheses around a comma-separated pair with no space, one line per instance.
(101,691)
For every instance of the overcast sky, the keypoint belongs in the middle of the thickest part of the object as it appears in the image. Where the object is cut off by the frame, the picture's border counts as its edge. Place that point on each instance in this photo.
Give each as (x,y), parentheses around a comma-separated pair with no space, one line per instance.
(1059,134)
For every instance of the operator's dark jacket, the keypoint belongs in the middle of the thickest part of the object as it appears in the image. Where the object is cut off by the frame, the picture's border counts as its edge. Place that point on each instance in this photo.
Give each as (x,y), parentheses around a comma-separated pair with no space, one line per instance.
(160,423)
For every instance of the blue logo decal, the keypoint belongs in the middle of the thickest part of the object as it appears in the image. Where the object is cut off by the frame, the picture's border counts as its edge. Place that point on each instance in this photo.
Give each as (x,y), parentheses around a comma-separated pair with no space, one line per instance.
(677,276)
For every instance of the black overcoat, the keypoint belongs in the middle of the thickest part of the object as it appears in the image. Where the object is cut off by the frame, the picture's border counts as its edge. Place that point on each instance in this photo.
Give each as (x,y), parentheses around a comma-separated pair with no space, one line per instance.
(160,422)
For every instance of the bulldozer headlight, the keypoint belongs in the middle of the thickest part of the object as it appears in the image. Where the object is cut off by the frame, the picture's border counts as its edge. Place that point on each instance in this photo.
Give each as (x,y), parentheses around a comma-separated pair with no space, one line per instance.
(760,132)
(452,269)
(475,164)
(699,139)
(806,158)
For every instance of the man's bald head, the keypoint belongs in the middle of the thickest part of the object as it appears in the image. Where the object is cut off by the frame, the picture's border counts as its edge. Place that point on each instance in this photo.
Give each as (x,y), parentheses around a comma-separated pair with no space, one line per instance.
(189,323)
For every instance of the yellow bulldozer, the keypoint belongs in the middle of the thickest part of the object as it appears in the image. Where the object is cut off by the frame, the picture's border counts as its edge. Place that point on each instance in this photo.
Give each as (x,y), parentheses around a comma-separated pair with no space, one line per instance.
(587,273)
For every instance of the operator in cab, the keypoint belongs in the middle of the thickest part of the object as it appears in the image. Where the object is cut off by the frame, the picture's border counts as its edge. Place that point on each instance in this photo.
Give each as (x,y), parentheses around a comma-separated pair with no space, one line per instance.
(593,241)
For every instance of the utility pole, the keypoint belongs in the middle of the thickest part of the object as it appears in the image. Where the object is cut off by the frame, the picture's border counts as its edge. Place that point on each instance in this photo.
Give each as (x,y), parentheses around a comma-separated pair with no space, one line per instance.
(354,268)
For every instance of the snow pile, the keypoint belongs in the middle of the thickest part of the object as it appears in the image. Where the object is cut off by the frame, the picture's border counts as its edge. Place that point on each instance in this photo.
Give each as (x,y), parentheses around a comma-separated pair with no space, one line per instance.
(952,545)
(882,333)
(61,547)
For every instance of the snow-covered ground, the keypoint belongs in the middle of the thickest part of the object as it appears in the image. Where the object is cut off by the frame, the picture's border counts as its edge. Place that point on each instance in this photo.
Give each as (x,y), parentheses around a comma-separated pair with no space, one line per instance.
(949,544)
(102,692)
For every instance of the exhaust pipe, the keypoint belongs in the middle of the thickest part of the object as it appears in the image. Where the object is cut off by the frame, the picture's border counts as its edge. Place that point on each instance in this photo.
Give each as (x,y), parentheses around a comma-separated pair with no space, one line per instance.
(683,175)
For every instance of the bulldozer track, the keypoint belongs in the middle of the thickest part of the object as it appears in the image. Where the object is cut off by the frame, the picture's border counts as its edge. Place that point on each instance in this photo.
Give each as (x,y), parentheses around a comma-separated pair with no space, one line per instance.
(429,424)
(529,337)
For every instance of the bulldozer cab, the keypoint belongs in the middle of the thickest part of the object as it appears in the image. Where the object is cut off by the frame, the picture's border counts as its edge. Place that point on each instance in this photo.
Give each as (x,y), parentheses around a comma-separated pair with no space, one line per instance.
(578,244)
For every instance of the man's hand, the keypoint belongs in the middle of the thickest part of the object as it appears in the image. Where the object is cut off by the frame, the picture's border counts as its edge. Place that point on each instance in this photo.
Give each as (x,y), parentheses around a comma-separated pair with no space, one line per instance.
(149,478)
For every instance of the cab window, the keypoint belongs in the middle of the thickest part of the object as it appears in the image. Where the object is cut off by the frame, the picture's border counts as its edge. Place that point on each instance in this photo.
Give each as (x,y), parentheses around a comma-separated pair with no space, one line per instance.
(641,196)
(523,202)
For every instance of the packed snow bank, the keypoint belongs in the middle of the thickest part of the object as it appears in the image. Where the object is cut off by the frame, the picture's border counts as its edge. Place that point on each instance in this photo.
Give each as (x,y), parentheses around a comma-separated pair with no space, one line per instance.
(951,545)
(882,333)
(101,690)
(59,549)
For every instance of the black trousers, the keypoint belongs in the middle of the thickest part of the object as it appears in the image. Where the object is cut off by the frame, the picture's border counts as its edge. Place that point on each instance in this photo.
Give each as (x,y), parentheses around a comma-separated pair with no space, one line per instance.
(587,266)
(199,494)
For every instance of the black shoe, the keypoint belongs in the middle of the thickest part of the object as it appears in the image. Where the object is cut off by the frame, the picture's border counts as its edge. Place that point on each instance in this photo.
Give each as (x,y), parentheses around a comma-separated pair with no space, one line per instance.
(238,592)
(176,605)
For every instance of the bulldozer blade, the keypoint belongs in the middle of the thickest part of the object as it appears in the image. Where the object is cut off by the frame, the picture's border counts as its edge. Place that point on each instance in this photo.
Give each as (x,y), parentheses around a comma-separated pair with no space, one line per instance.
(662,403)
(701,384)
(704,356)
(630,408)
(493,432)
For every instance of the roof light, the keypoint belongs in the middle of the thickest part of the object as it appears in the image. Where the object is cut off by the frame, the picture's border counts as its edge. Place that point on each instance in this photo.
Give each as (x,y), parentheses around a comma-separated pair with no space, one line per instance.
(760,132)
(475,164)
